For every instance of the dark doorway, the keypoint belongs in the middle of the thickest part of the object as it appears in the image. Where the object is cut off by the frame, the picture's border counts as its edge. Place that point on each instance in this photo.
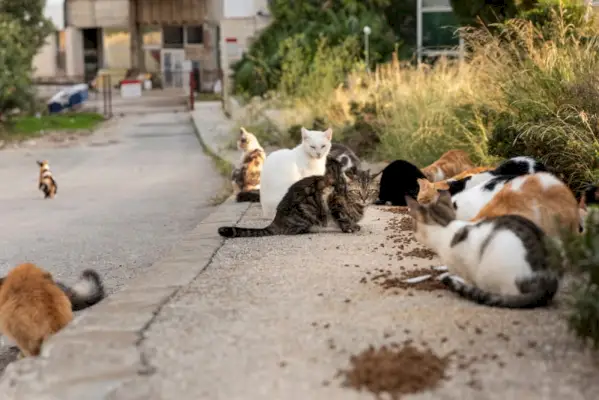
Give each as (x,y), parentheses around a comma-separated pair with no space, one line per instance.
(92,52)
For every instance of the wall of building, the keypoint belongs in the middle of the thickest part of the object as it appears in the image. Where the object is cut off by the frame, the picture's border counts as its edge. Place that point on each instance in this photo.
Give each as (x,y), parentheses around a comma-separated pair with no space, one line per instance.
(98,13)
(44,63)
(74,51)
(238,27)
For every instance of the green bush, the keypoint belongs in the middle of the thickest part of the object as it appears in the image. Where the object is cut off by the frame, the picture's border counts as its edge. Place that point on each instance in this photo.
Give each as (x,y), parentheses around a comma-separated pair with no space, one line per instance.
(304,24)
(578,255)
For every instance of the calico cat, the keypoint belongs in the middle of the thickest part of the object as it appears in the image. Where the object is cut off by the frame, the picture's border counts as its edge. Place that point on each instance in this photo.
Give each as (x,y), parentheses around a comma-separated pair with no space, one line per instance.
(540,197)
(345,156)
(33,307)
(246,177)
(499,261)
(312,201)
(449,164)
(428,191)
(284,167)
(516,166)
(47,184)
(398,179)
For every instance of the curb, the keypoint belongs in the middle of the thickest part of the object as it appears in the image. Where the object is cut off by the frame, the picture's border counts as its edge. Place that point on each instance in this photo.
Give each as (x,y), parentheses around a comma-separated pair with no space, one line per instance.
(215,157)
(100,355)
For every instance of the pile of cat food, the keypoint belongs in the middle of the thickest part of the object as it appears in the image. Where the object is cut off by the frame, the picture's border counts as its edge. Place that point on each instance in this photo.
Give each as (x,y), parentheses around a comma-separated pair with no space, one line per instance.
(397,369)
(419,279)
(396,209)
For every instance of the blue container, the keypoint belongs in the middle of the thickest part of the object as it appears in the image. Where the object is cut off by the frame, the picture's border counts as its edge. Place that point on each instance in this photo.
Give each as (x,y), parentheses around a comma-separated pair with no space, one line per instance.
(68,98)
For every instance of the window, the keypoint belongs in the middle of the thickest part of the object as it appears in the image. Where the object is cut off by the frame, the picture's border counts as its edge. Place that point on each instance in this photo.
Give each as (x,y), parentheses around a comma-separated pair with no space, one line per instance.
(172,37)
(195,34)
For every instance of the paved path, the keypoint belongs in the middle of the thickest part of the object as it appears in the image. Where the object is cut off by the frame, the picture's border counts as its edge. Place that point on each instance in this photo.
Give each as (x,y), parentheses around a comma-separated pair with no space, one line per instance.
(125,196)
(276,318)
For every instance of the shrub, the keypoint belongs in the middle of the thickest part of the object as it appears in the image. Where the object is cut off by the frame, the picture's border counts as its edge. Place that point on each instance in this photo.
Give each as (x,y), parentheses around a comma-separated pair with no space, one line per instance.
(579,256)
(304,24)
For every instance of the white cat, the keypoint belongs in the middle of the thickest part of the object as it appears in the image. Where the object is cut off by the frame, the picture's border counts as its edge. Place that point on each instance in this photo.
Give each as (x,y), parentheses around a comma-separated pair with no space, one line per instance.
(499,261)
(282,168)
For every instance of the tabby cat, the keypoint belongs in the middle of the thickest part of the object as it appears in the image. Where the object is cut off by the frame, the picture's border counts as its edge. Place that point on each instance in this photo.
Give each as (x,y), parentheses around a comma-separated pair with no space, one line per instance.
(312,201)
(246,177)
(498,261)
(449,164)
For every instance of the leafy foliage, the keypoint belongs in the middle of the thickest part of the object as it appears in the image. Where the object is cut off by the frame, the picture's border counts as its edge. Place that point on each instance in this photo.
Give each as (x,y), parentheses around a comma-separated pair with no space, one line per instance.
(23,30)
(15,59)
(474,12)
(579,255)
(306,24)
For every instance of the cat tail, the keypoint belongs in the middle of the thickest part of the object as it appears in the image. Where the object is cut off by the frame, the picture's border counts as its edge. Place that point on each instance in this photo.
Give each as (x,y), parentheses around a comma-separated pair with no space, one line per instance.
(536,291)
(233,231)
(86,292)
(252,196)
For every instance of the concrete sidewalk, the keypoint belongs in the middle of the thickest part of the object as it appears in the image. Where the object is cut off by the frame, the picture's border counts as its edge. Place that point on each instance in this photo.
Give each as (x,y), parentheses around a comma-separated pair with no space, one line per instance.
(276,318)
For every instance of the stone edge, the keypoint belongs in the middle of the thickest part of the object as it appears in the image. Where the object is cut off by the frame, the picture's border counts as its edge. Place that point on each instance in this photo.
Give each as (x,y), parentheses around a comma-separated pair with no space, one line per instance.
(100,354)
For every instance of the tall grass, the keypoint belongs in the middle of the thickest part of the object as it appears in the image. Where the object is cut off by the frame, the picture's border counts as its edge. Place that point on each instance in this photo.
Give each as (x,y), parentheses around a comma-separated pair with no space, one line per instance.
(522,89)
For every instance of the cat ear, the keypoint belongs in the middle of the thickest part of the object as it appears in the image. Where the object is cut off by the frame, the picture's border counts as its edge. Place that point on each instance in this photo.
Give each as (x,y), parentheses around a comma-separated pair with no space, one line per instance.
(40,163)
(423,183)
(304,133)
(377,177)
(329,134)
(413,205)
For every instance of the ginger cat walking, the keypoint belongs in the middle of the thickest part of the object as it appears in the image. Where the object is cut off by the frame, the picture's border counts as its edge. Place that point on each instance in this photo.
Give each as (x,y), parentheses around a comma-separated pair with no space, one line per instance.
(449,164)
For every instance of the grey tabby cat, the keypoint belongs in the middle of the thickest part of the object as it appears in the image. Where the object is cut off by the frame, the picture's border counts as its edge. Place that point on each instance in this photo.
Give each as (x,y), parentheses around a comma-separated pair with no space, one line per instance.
(312,201)
(505,259)
(345,156)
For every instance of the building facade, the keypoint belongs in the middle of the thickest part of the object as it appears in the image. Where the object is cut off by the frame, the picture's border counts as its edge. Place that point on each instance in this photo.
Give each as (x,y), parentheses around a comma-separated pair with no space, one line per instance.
(160,36)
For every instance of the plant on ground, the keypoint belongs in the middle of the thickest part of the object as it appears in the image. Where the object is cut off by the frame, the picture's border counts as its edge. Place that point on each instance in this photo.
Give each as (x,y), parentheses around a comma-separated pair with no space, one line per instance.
(23,30)
(578,256)
(304,24)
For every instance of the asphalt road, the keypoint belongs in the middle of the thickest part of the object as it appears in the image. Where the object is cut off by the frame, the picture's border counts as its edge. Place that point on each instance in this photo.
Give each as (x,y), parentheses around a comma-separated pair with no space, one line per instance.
(126,195)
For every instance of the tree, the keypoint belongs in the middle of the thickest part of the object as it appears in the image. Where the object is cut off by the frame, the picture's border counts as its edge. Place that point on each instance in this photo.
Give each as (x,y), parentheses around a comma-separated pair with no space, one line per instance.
(30,15)
(470,12)
(15,59)
(23,31)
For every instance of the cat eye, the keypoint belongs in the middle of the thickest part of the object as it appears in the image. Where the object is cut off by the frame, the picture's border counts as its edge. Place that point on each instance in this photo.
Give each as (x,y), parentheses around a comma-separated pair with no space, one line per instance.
(322,147)
(314,147)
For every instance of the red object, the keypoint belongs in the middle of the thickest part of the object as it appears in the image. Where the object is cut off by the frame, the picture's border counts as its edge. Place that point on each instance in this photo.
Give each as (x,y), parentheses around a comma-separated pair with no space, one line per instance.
(192,86)
(129,81)
(231,40)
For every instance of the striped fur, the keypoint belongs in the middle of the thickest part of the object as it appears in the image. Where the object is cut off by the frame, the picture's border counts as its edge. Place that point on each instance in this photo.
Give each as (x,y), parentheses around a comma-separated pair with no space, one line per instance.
(47,183)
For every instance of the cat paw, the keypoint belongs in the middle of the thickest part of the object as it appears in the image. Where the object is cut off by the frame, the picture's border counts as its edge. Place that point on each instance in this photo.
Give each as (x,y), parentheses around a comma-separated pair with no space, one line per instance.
(440,268)
(356,227)
(348,229)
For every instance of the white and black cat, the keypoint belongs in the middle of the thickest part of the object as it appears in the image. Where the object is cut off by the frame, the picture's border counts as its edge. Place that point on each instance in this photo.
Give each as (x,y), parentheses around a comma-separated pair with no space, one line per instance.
(516,166)
(500,261)
(345,156)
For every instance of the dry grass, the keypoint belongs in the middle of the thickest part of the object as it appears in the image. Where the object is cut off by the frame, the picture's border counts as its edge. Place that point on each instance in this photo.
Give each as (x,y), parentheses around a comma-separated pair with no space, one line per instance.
(541,85)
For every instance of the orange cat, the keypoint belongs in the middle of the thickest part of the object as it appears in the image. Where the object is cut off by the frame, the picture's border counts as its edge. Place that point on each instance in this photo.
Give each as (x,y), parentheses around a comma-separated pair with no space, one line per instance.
(429,191)
(47,184)
(449,164)
(540,197)
(33,307)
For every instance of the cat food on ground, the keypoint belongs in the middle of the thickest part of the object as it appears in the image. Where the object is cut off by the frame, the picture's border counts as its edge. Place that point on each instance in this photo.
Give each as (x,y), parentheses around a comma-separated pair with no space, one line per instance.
(396,209)
(395,369)
(386,281)
(421,252)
